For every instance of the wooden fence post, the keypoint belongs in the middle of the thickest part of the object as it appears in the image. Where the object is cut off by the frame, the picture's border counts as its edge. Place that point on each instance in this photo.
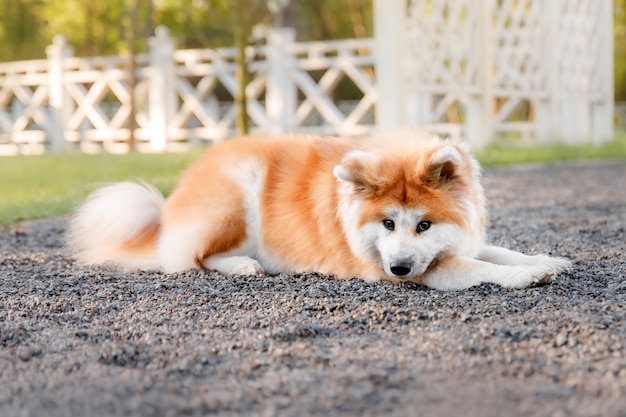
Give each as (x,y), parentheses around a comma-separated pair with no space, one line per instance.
(162,101)
(548,110)
(281,94)
(479,123)
(602,112)
(390,62)
(57,99)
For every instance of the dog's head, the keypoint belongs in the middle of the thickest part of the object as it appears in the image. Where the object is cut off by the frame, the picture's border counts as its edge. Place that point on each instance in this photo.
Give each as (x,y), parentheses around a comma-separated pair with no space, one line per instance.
(405,207)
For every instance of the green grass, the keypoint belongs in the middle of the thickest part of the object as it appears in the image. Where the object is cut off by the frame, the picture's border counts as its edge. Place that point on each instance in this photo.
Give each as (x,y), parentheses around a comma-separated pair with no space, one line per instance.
(511,153)
(34,187)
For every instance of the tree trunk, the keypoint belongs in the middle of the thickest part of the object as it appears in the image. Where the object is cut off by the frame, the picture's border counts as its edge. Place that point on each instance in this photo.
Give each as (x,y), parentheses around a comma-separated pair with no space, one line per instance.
(133,28)
(241,32)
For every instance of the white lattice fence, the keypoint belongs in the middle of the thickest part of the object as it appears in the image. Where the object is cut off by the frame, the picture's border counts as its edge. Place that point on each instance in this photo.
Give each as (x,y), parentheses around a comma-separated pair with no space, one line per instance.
(441,72)
(97,95)
(24,115)
(184,97)
(350,61)
(533,68)
(293,88)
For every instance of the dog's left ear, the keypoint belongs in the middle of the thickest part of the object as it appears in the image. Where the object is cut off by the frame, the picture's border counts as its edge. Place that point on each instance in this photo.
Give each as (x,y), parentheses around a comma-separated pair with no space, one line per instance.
(443,166)
(358,168)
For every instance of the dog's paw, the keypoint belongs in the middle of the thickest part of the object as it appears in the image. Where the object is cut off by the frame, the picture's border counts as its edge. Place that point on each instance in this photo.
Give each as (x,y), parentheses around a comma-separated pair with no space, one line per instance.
(247,267)
(545,272)
(557,265)
(554,266)
(542,277)
(234,265)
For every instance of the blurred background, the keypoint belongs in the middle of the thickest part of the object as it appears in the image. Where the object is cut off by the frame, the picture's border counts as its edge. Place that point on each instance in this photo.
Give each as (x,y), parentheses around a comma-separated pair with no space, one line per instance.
(108,28)
(167,75)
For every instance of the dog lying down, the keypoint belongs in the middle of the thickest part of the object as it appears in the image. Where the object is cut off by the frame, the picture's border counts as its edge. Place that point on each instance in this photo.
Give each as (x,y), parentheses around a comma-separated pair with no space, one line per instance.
(400,206)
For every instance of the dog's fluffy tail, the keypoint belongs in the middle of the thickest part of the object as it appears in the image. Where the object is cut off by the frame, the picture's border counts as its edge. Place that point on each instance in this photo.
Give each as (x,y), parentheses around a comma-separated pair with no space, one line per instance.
(118,224)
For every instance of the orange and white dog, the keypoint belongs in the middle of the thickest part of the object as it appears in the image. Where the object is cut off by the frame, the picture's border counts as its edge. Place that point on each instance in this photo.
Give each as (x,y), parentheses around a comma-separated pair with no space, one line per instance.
(400,206)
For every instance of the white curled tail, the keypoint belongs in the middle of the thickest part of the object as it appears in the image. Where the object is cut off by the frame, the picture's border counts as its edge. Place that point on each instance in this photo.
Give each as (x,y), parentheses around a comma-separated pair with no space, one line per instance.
(118,224)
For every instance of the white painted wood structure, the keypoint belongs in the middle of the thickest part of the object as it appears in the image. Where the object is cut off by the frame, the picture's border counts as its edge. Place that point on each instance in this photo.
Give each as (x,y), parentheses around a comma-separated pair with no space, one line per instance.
(539,69)
(183,97)
(478,68)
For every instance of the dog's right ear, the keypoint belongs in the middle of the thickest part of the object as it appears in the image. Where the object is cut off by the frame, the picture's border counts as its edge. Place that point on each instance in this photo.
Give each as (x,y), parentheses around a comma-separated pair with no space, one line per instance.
(443,166)
(358,168)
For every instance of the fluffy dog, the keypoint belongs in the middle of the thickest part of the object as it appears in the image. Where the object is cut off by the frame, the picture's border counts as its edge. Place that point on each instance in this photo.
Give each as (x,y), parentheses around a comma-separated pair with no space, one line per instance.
(400,206)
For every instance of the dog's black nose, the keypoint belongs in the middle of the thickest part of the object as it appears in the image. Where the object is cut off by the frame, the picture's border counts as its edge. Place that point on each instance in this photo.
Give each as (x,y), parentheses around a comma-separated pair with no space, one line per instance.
(400,269)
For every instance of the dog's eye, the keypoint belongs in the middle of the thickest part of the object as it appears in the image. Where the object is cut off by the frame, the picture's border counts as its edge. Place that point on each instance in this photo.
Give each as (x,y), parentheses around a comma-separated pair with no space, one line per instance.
(389,224)
(423,226)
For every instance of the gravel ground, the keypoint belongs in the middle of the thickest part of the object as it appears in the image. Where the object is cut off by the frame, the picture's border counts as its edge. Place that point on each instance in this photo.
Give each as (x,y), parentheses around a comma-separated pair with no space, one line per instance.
(78,341)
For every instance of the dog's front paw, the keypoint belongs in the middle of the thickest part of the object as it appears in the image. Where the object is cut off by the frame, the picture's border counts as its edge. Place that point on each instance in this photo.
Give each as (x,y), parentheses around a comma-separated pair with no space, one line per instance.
(554,266)
(541,277)
(234,265)
(545,271)
(557,265)
(247,267)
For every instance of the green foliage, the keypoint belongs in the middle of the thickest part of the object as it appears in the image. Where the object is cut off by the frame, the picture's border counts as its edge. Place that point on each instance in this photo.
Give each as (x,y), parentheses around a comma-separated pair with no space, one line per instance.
(20,34)
(195,23)
(332,19)
(103,27)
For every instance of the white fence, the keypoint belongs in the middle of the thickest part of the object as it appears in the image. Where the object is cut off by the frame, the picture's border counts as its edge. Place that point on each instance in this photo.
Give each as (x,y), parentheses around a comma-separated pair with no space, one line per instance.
(539,68)
(478,68)
(183,97)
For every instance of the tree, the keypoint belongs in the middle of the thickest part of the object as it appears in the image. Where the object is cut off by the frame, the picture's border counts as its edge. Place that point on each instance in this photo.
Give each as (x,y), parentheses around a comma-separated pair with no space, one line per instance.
(619,36)
(244,15)
(20,37)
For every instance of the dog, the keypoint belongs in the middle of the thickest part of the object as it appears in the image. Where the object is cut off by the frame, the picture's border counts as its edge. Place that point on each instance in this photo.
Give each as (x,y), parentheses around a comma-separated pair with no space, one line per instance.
(401,206)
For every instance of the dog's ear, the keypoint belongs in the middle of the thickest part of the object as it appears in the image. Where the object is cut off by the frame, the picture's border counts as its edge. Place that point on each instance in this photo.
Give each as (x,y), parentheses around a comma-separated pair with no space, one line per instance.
(443,166)
(358,168)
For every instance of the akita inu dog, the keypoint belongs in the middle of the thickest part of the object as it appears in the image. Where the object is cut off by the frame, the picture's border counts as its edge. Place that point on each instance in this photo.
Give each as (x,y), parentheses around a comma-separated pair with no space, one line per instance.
(401,206)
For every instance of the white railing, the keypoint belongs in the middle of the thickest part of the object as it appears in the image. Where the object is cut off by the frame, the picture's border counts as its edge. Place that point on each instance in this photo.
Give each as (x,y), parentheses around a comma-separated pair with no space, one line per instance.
(24,96)
(184,97)
(476,68)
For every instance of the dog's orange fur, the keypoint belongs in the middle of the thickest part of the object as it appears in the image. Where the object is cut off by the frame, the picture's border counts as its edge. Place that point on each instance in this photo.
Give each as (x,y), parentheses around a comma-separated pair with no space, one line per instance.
(299,221)
(313,205)
(299,173)
(299,202)
(404,181)
(298,208)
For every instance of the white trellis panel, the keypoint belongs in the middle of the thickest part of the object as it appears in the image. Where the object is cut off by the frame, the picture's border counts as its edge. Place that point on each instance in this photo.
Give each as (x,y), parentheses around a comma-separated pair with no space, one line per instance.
(319,68)
(586,50)
(442,64)
(529,68)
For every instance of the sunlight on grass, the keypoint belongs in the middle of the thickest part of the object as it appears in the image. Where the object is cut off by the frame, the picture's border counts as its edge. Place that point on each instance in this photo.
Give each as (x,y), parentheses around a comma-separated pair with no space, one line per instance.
(50,185)
(506,154)
(34,187)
